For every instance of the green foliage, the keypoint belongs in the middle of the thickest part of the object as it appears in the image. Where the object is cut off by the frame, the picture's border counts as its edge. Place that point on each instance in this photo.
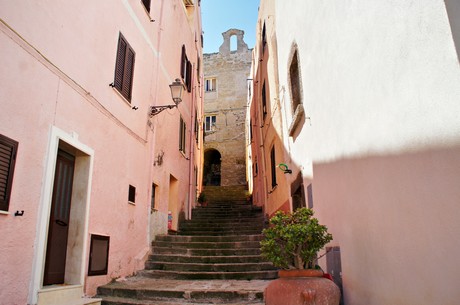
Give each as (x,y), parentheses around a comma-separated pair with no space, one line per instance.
(202,197)
(293,240)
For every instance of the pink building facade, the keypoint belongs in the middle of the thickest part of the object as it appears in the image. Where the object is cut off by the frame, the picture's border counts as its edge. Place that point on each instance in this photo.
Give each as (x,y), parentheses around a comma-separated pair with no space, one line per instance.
(368,95)
(88,175)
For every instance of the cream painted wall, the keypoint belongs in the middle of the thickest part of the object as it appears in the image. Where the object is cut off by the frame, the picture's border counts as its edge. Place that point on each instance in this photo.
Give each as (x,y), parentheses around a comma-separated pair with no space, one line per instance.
(380,82)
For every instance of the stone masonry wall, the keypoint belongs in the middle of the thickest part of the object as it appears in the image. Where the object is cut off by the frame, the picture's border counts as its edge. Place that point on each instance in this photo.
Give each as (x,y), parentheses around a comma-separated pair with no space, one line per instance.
(228,103)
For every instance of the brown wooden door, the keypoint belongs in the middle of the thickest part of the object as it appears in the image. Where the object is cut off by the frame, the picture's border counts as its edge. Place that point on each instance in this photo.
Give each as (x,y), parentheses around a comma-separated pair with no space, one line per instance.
(59,220)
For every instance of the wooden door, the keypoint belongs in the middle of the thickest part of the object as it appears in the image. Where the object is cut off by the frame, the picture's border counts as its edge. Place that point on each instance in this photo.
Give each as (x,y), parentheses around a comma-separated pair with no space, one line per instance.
(59,220)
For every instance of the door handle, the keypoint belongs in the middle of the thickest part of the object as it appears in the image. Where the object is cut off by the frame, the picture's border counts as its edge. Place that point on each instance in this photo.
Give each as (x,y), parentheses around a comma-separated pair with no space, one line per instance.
(61,223)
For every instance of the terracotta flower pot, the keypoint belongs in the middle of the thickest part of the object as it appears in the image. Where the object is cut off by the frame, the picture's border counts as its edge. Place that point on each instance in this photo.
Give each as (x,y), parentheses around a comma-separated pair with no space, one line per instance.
(302,287)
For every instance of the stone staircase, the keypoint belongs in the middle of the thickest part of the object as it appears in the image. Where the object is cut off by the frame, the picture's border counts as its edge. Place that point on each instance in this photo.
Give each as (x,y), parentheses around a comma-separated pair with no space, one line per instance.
(214,259)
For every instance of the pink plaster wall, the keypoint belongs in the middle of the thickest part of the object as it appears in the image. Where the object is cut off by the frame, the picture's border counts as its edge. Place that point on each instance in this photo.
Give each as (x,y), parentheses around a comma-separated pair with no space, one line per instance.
(395,218)
(57,68)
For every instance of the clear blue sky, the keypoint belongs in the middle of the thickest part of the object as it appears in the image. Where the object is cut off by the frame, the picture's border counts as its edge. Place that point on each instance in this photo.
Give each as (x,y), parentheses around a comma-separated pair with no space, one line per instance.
(218,16)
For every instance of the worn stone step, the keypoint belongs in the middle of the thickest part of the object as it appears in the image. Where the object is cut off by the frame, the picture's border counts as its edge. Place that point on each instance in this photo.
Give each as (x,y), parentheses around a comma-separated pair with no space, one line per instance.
(223,228)
(128,301)
(190,275)
(182,292)
(205,259)
(205,267)
(219,233)
(207,245)
(227,238)
(206,252)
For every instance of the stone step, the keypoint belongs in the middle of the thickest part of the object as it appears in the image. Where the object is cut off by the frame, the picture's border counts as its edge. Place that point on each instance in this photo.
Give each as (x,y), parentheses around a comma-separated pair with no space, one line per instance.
(221,228)
(205,267)
(190,275)
(220,233)
(226,214)
(162,291)
(228,238)
(207,245)
(128,301)
(206,252)
(205,259)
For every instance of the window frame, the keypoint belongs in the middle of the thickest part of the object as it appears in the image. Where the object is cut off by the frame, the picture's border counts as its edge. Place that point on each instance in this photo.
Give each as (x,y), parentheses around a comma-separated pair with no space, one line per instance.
(264,38)
(182,133)
(210,84)
(8,153)
(273,166)
(186,69)
(124,68)
(147,4)
(131,194)
(92,255)
(264,101)
(212,122)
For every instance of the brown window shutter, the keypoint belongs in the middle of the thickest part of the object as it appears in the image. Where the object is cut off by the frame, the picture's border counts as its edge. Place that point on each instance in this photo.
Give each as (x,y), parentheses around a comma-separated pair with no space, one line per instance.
(147,5)
(124,68)
(8,150)
(128,75)
(183,62)
(120,63)
(189,76)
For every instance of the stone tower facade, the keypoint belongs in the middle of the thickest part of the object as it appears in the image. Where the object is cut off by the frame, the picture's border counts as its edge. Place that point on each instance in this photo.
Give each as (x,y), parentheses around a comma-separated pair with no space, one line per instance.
(225,102)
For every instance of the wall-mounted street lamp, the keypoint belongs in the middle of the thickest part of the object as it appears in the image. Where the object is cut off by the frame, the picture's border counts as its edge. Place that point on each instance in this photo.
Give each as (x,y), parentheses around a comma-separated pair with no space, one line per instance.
(176,94)
(284,168)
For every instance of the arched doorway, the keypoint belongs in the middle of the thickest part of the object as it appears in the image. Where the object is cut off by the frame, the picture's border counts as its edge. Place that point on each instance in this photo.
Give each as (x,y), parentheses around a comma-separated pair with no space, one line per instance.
(211,170)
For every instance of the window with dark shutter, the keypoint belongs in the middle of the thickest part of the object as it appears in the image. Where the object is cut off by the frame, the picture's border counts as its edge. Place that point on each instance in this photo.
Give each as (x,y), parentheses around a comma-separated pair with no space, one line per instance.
(146,5)
(273,166)
(264,101)
(124,68)
(183,63)
(8,150)
(264,39)
(182,129)
(186,70)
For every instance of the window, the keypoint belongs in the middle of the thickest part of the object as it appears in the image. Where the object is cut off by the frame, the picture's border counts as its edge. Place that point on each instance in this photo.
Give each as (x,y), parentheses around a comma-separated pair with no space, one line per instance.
(210,84)
(132,194)
(98,255)
(152,200)
(8,150)
(124,68)
(264,39)
(273,166)
(264,101)
(209,123)
(146,5)
(182,129)
(295,89)
(295,82)
(197,131)
(186,70)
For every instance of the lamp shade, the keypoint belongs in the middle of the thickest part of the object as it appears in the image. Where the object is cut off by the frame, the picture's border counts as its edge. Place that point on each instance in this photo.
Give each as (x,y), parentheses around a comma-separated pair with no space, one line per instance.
(176,91)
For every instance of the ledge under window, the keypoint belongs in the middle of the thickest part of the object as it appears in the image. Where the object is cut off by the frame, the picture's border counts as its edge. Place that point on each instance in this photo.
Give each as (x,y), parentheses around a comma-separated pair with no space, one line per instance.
(296,119)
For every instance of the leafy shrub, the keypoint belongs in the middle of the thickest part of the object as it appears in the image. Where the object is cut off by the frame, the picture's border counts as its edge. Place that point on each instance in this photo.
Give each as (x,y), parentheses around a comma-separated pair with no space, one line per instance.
(293,240)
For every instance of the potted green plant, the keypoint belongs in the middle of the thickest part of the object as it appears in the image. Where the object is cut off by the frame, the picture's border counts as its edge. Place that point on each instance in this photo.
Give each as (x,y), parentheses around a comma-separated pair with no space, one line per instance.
(292,242)
(202,199)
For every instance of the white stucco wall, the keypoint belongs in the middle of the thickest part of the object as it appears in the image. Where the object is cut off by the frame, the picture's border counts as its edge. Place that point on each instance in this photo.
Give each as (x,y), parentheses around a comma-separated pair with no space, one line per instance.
(381,84)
